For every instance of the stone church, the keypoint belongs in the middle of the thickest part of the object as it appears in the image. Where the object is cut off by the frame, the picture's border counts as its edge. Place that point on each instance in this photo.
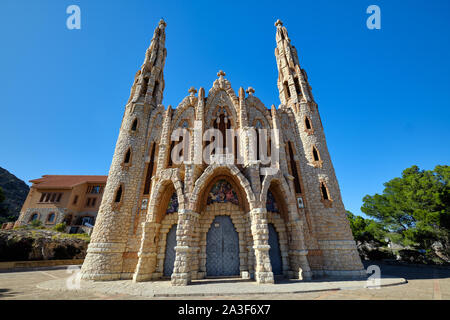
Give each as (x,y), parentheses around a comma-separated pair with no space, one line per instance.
(187,220)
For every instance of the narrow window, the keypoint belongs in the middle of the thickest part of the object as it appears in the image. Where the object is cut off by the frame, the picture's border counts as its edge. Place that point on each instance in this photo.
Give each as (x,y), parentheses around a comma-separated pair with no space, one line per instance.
(53,197)
(58,199)
(118,195)
(315,154)
(155,89)
(93,202)
(297,86)
(286,90)
(148,177)
(134,125)
(324,191)
(294,170)
(47,198)
(42,197)
(127,156)
(88,202)
(75,200)
(144,86)
(307,123)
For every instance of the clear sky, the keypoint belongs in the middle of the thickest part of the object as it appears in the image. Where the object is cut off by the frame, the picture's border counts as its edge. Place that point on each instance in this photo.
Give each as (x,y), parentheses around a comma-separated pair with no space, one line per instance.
(383,95)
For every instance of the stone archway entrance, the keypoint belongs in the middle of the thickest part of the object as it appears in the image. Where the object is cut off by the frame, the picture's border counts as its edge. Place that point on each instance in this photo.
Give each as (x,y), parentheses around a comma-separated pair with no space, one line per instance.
(169,257)
(275,252)
(222,248)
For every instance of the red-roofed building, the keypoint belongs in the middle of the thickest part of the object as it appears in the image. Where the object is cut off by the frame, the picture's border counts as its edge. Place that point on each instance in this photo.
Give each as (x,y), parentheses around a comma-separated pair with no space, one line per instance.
(54,199)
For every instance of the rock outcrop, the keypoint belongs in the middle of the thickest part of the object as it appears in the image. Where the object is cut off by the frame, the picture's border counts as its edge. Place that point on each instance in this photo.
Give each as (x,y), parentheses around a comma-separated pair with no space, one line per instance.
(24,245)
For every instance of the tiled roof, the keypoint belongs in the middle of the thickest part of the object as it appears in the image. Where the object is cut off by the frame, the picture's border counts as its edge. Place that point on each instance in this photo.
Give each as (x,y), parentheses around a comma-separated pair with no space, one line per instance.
(65,181)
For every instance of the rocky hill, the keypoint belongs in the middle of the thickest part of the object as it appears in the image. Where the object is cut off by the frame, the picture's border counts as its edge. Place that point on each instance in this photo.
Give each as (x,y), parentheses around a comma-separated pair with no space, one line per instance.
(15,191)
(25,245)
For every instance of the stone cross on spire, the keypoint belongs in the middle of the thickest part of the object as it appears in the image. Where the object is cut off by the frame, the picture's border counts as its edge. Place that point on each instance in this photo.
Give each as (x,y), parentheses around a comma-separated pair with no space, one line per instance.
(192,91)
(278,23)
(221,74)
(250,91)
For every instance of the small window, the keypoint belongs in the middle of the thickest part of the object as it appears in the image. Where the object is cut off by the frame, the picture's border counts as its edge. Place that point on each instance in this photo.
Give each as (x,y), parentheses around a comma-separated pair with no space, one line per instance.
(286,90)
(47,197)
(308,123)
(297,86)
(42,197)
(94,200)
(53,197)
(127,156)
(88,202)
(118,197)
(134,125)
(34,216)
(315,154)
(75,200)
(324,190)
(58,199)
(51,217)
(144,86)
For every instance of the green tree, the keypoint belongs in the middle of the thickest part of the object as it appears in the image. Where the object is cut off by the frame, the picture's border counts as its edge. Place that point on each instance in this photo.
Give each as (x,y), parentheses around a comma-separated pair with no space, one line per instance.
(415,206)
(366,229)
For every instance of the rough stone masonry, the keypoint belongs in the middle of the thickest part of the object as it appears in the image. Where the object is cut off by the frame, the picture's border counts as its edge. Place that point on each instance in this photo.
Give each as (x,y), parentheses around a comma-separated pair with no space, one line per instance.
(190,220)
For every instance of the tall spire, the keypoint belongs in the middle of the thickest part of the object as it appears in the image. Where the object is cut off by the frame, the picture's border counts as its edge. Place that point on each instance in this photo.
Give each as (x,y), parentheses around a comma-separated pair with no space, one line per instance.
(292,80)
(148,85)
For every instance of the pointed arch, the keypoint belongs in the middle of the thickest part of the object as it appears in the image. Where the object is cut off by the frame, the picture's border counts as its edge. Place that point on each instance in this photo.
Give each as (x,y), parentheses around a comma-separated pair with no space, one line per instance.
(213,173)
(161,196)
(281,192)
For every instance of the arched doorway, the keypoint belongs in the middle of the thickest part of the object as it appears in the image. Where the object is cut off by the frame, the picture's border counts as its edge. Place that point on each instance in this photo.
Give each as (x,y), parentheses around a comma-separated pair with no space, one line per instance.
(222,248)
(275,252)
(169,258)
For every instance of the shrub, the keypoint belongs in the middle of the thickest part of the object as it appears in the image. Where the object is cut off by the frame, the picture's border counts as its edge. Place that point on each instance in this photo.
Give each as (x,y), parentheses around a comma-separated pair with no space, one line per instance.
(36,223)
(60,227)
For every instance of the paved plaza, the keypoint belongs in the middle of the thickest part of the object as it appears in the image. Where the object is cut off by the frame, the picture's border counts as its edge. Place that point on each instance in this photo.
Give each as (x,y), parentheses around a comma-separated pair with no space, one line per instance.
(398,282)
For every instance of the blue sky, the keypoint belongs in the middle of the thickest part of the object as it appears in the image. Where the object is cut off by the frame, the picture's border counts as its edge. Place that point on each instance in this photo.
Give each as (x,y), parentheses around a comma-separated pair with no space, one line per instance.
(383,95)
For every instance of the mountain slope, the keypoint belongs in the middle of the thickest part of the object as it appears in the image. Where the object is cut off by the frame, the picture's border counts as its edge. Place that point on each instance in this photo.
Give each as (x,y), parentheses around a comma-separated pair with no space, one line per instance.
(15,191)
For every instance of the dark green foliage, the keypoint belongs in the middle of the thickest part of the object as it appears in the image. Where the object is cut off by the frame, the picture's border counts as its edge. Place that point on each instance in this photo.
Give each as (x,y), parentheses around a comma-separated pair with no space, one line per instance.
(60,227)
(36,223)
(15,249)
(416,207)
(65,252)
(366,230)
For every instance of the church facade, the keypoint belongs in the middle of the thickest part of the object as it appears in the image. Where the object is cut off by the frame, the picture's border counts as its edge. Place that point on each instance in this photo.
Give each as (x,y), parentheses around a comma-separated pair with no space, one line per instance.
(227,211)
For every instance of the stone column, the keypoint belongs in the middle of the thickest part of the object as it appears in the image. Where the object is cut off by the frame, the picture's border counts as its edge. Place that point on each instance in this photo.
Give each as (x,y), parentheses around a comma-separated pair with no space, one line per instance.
(260,233)
(187,219)
(147,254)
(298,252)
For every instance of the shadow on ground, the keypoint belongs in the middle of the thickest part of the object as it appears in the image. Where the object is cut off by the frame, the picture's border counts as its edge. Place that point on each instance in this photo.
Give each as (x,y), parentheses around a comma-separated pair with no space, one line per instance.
(410,272)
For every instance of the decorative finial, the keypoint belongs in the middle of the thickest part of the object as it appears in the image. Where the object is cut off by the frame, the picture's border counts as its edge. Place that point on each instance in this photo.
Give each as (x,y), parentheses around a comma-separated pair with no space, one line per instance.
(192,91)
(250,91)
(162,22)
(221,74)
(278,23)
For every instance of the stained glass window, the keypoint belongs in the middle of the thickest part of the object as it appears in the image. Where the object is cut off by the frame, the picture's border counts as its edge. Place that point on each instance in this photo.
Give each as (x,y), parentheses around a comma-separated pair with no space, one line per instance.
(173,204)
(221,192)
(271,204)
